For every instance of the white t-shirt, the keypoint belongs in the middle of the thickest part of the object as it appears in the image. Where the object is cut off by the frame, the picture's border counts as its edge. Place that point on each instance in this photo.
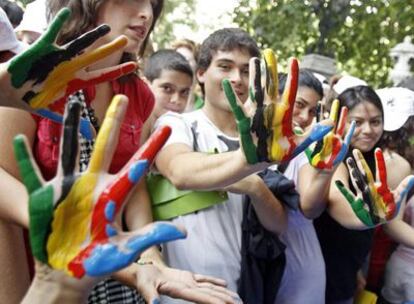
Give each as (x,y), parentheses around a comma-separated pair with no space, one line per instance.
(213,243)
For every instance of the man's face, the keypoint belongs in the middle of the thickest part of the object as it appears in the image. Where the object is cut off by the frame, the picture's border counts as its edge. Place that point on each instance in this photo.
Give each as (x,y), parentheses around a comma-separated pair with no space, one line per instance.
(232,65)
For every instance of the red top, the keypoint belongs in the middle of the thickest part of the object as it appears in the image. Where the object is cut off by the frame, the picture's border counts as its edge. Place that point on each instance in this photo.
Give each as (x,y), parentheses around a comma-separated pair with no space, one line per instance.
(141,103)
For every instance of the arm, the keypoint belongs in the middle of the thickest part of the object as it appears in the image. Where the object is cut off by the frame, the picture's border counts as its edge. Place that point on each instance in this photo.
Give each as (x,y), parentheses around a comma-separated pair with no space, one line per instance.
(13,195)
(271,213)
(178,163)
(400,232)
(314,189)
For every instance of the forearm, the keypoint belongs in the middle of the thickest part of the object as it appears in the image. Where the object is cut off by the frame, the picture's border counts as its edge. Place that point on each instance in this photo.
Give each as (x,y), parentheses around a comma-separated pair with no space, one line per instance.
(270,211)
(313,189)
(13,200)
(202,171)
(400,232)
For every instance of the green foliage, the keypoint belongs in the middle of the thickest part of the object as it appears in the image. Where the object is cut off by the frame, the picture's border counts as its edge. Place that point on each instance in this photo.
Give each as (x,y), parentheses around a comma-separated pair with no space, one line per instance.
(175,12)
(359,34)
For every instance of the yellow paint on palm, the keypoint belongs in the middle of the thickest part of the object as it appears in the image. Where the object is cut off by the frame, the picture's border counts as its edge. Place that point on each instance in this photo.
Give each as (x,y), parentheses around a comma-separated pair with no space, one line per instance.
(58,79)
(272,82)
(70,226)
(104,135)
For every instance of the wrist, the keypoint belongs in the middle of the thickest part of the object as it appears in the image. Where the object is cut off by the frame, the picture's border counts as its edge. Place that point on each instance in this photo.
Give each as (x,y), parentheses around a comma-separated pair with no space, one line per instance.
(54,286)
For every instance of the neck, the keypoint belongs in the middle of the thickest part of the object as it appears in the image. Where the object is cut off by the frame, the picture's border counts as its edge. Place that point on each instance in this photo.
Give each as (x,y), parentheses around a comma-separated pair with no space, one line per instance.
(222,119)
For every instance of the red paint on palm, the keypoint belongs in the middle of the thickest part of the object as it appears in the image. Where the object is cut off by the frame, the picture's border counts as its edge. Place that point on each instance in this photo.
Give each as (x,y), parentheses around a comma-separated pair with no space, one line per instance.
(383,189)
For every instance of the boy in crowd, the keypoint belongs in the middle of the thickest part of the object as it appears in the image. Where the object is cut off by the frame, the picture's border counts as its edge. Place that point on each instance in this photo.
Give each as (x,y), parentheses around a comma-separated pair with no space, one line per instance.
(170,78)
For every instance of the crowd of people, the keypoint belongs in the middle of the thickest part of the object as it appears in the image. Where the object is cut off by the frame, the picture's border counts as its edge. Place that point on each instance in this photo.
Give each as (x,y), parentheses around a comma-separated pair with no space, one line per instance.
(209,177)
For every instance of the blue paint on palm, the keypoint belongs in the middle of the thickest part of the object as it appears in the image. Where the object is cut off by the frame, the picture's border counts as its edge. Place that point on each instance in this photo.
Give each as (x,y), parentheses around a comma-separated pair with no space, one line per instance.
(110,257)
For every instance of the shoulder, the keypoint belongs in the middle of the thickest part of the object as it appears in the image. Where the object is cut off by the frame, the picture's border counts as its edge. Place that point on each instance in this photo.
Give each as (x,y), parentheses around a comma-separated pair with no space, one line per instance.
(397,167)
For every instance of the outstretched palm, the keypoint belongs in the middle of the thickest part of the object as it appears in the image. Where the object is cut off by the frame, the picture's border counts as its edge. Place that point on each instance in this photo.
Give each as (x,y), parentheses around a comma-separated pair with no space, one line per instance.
(269,119)
(72,216)
(46,72)
(332,149)
(374,204)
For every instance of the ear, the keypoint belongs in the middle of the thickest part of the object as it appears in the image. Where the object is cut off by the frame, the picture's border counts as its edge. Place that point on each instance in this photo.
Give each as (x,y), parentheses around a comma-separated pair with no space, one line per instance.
(200,74)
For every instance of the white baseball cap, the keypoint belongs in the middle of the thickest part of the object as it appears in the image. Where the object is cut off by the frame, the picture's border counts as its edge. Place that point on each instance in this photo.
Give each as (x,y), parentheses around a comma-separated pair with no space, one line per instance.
(398,104)
(34,18)
(8,39)
(346,82)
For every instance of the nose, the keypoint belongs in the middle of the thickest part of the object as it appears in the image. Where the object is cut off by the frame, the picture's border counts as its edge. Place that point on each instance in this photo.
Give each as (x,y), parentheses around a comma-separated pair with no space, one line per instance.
(176,98)
(366,128)
(145,10)
(235,77)
(303,118)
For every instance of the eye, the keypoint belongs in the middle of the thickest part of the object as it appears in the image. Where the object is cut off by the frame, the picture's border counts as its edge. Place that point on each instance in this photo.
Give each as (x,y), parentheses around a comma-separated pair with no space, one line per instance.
(224,67)
(299,104)
(376,122)
(185,93)
(167,89)
(245,72)
(358,123)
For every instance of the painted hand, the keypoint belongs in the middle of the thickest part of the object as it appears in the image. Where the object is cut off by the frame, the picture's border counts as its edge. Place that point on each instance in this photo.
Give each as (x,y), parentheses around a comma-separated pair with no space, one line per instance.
(374,203)
(268,119)
(331,150)
(46,72)
(72,217)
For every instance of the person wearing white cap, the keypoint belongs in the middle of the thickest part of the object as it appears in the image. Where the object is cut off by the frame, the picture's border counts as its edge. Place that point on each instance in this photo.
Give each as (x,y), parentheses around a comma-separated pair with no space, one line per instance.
(34,22)
(9,44)
(398,104)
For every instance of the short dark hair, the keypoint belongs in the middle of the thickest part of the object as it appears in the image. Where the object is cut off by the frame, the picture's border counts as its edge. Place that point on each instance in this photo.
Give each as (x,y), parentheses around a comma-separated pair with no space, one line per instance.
(226,39)
(306,79)
(166,59)
(13,12)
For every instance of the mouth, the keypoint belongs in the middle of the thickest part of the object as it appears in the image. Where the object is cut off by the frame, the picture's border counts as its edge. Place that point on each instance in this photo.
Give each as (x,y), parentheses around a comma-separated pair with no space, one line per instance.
(139,31)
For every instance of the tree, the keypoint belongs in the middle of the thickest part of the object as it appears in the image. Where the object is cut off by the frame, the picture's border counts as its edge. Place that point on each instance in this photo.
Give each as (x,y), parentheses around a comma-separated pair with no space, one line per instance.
(359,34)
(175,12)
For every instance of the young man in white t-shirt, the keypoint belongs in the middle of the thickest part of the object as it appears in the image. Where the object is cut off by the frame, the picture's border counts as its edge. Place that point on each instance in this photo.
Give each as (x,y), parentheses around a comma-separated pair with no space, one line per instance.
(191,162)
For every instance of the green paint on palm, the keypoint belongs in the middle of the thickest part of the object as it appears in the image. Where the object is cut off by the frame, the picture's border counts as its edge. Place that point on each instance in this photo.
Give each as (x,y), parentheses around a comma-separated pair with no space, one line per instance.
(356,204)
(21,64)
(243,124)
(40,200)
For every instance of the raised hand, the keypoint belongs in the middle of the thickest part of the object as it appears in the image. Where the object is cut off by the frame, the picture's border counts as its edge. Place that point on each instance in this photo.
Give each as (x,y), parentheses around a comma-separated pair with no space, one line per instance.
(269,119)
(374,203)
(331,150)
(72,217)
(46,72)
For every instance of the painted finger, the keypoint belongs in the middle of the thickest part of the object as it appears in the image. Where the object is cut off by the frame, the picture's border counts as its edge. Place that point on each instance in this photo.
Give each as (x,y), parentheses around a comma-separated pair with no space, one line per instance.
(255,82)
(381,168)
(85,127)
(55,26)
(99,76)
(111,200)
(289,96)
(363,167)
(29,171)
(334,112)
(103,51)
(243,123)
(153,145)
(79,44)
(272,80)
(107,138)
(69,144)
(404,187)
(345,145)
(21,66)
(113,256)
(340,127)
